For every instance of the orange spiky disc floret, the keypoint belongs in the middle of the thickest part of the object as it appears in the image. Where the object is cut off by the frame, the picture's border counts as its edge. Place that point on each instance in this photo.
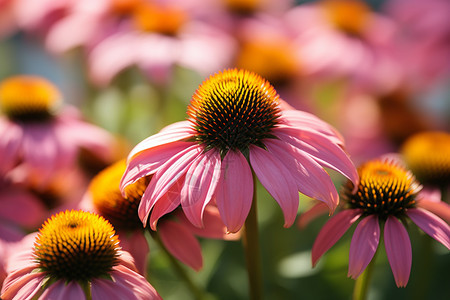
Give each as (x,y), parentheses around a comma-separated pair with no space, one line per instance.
(234,109)
(386,189)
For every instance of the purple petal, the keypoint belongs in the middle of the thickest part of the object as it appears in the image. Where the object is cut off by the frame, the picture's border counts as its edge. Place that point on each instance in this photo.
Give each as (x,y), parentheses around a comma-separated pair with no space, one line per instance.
(234,192)
(398,250)
(332,231)
(363,246)
(278,180)
(431,225)
(200,185)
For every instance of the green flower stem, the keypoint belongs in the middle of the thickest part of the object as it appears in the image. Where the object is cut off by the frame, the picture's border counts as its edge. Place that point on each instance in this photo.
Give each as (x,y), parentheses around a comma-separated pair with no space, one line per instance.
(363,281)
(179,269)
(251,249)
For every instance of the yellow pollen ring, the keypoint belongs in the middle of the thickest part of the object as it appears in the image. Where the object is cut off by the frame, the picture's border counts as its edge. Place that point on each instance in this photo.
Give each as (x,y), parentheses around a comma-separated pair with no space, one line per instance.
(76,245)
(385,188)
(28,95)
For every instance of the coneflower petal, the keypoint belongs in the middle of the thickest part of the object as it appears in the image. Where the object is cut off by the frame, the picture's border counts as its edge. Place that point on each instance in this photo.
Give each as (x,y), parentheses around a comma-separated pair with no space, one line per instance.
(61,290)
(234,193)
(398,250)
(363,246)
(167,176)
(172,133)
(311,179)
(180,242)
(148,162)
(164,205)
(310,123)
(431,225)
(200,185)
(332,231)
(320,148)
(278,181)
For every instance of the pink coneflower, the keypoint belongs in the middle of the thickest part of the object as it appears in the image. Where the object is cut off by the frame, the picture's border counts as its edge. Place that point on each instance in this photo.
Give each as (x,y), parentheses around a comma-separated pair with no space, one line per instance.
(37,137)
(386,197)
(424,29)
(236,127)
(345,39)
(161,34)
(75,255)
(176,232)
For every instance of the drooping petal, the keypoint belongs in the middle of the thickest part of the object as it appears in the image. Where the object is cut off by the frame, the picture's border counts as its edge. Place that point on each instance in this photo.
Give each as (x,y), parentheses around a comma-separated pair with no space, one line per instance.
(431,225)
(363,246)
(134,282)
(431,200)
(149,161)
(213,226)
(320,148)
(62,291)
(22,284)
(309,122)
(181,243)
(311,179)
(172,133)
(332,231)
(169,173)
(136,244)
(107,289)
(398,250)
(200,185)
(166,204)
(234,191)
(278,180)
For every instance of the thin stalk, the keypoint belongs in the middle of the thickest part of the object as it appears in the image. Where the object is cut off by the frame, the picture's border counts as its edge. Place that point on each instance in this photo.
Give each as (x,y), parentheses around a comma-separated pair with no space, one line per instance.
(362,283)
(252,250)
(179,269)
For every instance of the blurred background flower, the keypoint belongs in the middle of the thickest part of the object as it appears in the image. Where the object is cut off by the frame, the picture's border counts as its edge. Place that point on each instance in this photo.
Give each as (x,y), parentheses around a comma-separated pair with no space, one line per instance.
(376,70)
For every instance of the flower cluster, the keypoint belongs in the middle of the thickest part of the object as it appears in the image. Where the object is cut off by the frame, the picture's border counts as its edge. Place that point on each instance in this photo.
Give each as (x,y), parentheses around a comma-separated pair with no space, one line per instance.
(141,139)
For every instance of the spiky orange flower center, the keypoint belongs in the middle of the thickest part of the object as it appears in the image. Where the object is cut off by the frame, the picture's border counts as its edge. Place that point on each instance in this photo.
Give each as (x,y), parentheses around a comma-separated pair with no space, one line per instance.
(121,211)
(350,16)
(255,54)
(386,188)
(28,98)
(427,154)
(234,109)
(76,245)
